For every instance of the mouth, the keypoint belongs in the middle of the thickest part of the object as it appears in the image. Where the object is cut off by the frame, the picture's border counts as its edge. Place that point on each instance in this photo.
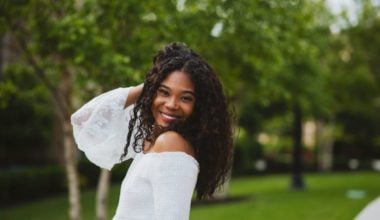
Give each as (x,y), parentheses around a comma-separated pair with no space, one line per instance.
(169,117)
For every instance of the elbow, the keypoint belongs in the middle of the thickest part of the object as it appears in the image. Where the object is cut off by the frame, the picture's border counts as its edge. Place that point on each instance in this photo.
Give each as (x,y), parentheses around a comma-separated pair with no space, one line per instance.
(76,119)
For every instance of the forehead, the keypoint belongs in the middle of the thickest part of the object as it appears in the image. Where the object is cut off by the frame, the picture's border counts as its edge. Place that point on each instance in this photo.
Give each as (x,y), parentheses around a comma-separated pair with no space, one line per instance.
(178,80)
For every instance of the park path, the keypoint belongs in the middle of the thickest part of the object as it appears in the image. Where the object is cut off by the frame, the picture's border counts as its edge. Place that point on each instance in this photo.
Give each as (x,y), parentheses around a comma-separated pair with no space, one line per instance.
(371,211)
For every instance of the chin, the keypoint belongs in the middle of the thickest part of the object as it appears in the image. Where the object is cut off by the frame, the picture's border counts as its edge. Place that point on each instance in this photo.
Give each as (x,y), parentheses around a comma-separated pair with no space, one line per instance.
(162,124)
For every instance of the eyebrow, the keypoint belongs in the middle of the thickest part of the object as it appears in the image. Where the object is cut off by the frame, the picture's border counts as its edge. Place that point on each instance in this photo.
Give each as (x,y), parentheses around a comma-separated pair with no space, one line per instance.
(185,91)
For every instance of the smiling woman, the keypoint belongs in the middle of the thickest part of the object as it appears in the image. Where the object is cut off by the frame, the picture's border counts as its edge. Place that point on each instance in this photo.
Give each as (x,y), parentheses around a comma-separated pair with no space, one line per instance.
(175,126)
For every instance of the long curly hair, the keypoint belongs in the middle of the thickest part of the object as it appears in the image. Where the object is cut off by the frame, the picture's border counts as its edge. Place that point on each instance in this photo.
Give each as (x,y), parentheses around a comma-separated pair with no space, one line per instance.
(208,129)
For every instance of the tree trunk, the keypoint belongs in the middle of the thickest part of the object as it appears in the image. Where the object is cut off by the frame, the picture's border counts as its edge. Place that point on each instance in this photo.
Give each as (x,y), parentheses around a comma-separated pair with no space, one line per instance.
(102,194)
(70,150)
(3,54)
(6,52)
(62,99)
(56,152)
(71,172)
(297,179)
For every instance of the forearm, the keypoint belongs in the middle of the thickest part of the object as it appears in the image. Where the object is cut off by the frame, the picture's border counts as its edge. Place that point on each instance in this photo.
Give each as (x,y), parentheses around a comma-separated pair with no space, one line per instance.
(133,95)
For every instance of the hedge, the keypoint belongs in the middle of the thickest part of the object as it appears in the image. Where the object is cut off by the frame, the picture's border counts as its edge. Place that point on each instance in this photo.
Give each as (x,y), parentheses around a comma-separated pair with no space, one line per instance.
(23,184)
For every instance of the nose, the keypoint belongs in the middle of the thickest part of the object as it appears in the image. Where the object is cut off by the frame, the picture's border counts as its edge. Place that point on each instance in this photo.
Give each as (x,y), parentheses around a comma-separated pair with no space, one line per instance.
(171,103)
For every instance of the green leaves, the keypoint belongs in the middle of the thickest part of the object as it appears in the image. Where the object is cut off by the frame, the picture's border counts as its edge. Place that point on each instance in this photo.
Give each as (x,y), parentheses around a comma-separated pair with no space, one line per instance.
(267,52)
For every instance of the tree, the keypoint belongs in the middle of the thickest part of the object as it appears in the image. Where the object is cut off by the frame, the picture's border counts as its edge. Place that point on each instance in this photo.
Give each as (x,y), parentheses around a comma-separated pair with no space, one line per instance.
(60,42)
(269,54)
(28,33)
(356,82)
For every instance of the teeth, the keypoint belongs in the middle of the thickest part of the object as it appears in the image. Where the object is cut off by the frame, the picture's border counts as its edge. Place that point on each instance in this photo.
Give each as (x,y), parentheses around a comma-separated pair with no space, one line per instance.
(169,116)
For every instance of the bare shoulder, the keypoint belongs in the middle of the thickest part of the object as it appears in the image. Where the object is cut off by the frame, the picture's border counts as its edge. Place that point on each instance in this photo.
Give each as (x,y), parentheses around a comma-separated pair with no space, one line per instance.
(172,141)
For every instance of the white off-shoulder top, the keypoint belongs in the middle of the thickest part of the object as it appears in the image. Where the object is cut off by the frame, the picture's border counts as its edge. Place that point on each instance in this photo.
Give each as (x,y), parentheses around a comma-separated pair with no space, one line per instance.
(157,186)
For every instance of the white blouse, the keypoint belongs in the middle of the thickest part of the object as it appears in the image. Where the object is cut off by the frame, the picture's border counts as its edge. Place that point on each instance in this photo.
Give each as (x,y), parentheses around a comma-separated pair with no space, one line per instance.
(157,185)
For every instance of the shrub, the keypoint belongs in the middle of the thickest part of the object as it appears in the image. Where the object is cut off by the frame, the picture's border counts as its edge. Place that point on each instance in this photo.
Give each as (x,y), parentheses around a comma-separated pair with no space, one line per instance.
(20,184)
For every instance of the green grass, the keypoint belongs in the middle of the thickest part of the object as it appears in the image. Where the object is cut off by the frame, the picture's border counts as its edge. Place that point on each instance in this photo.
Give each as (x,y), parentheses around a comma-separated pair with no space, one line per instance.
(265,198)
(270,198)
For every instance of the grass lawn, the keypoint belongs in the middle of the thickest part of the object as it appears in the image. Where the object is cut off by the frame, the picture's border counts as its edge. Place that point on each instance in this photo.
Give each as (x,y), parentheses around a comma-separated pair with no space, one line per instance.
(328,196)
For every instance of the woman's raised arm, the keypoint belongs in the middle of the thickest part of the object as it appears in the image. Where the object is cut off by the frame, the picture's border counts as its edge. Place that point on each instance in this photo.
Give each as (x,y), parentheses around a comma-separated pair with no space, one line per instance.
(100,126)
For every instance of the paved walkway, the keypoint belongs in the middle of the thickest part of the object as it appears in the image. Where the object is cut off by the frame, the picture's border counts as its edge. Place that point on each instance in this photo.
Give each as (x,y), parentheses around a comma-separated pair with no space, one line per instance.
(371,211)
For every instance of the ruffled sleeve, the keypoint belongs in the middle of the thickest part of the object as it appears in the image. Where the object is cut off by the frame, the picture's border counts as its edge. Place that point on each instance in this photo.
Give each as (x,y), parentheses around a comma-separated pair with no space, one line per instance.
(173,176)
(100,128)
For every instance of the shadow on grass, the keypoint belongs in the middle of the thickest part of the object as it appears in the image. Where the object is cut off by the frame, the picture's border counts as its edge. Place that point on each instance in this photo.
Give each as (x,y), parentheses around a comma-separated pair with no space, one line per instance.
(230,199)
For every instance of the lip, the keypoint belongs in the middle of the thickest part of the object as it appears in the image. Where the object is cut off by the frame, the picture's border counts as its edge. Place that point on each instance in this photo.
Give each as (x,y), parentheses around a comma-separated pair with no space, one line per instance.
(169,117)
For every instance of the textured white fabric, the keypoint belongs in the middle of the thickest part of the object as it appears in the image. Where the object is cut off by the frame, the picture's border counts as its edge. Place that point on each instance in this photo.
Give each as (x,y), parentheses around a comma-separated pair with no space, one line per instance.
(100,128)
(158,186)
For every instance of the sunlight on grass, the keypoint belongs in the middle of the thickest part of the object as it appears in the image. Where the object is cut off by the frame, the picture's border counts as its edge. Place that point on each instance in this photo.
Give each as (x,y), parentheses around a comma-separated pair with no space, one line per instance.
(266,197)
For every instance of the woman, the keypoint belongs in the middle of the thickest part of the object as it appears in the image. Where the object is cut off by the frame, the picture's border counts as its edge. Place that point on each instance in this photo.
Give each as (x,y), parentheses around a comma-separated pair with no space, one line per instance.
(175,126)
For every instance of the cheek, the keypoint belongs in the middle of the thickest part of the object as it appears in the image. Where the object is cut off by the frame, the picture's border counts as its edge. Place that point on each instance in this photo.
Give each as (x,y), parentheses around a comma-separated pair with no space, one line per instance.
(189,109)
(155,104)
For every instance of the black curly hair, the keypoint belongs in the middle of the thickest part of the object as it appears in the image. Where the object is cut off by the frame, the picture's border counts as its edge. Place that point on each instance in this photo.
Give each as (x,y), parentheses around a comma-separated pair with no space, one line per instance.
(208,129)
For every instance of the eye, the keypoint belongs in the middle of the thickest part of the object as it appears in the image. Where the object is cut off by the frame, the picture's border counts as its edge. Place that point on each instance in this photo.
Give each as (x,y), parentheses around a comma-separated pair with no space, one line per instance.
(187,99)
(162,92)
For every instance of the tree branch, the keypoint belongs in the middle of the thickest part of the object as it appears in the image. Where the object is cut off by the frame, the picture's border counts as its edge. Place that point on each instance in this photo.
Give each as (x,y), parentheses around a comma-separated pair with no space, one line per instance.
(63,109)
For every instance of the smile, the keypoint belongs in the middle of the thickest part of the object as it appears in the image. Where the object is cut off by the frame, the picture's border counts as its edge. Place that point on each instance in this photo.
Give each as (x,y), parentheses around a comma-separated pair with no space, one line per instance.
(168,117)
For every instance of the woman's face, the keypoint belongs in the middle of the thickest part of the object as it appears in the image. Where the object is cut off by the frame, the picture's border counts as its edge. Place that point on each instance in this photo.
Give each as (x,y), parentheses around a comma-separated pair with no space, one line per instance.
(174,100)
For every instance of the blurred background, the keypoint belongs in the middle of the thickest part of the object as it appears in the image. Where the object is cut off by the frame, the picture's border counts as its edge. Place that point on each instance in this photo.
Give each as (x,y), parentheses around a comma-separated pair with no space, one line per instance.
(302,76)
